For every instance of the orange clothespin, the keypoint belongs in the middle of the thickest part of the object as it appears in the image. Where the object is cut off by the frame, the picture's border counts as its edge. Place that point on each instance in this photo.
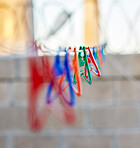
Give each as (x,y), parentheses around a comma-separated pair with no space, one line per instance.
(76,76)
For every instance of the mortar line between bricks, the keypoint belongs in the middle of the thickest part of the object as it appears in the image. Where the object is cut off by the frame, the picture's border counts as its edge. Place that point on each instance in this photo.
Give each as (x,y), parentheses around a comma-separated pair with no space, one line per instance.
(57,132)
(91,105)
(85,132)
(16,79)
(102,78)
(91,131)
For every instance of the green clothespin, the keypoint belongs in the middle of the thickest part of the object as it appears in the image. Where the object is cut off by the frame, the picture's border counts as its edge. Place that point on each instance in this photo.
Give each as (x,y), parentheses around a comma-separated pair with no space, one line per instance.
(83,61)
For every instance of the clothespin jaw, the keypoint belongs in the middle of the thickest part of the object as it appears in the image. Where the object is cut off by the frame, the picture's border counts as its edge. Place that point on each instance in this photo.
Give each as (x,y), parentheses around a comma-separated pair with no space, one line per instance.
(83,61)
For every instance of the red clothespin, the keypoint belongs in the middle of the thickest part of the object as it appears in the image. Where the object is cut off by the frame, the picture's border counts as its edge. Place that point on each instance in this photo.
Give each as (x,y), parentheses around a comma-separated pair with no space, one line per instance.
(91,61)
(40,73)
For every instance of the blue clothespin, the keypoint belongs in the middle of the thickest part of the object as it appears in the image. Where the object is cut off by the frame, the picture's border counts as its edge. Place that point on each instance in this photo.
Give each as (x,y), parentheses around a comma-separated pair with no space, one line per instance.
(67,72)
(56,72)
(63,72)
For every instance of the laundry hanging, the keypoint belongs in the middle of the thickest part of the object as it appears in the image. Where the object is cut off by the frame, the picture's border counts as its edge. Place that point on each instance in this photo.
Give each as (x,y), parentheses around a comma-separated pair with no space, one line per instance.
(62,81)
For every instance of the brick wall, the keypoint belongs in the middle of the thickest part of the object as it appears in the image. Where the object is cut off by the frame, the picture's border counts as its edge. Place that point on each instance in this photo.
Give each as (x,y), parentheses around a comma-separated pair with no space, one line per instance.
(108,111)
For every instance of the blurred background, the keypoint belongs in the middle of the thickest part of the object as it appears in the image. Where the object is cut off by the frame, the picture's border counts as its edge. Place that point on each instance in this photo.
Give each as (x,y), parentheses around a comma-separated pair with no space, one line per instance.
(108,113)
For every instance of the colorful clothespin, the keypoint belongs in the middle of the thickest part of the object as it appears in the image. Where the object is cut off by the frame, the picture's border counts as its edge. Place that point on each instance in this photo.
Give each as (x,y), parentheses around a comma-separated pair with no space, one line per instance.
(67,75)
(37,76)
(76,76)
(40,73)
(83,61)
(93,63)
(56,72)
(55,84)
(64,73)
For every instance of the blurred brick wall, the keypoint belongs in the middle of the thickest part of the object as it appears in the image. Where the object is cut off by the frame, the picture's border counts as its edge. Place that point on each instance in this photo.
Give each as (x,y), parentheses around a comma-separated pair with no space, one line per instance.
(108,112)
